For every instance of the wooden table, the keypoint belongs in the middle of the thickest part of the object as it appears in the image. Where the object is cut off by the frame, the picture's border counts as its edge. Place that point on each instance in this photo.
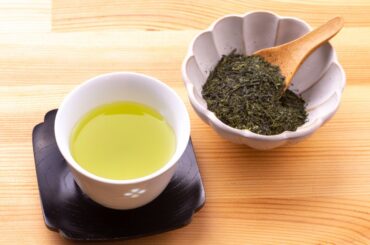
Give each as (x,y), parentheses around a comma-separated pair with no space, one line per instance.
(315,192)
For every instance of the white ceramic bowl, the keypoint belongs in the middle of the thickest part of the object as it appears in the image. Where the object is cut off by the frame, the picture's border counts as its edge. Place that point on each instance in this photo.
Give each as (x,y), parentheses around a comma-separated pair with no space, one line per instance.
(320,80)
(122,86)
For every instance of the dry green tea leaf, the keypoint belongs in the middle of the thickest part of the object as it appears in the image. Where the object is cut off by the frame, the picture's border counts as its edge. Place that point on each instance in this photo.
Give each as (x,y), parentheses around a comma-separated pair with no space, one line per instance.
(245,92)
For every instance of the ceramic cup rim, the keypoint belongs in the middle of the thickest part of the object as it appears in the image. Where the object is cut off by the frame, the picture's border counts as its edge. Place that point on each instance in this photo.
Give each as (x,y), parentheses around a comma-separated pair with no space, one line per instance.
(180,147)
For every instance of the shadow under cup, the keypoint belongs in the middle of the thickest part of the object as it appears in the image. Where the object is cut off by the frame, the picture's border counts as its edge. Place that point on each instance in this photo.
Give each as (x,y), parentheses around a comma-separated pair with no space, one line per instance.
(122,86)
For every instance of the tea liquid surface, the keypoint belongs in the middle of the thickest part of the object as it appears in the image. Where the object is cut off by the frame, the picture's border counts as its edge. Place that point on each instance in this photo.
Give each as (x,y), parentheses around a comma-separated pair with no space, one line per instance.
(122,140)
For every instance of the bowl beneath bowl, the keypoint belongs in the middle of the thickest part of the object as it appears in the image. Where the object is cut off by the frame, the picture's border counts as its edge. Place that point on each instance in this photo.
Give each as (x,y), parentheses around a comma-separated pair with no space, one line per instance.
(320,80)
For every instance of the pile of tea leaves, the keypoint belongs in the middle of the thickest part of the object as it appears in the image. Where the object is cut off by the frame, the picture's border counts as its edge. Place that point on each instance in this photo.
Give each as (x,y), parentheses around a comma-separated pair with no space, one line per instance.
(246,92)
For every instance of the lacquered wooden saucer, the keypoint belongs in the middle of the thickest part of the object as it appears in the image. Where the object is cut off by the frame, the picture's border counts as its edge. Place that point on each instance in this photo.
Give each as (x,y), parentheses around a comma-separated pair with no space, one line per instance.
(70,212)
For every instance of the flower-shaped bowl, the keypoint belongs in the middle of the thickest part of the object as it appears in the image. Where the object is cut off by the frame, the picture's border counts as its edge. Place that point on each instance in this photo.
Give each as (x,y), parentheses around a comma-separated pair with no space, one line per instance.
(319,81)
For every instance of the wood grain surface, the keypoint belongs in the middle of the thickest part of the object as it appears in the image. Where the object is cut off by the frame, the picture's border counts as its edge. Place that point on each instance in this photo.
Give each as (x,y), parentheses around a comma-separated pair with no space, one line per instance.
(315,192)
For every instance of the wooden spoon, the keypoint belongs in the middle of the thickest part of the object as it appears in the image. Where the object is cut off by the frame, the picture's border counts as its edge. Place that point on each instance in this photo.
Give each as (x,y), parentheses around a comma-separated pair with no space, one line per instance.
(291,55)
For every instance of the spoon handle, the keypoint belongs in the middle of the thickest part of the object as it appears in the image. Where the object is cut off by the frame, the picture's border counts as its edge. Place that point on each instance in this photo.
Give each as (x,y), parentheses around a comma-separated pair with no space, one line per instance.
(305,45)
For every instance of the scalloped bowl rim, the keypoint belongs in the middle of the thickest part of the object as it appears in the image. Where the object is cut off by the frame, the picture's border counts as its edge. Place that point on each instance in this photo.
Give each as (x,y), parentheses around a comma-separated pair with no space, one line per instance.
(304,130)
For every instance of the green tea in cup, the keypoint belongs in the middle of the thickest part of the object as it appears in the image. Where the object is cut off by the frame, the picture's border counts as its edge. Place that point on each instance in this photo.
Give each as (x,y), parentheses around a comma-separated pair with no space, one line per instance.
(122,133)
(122,140)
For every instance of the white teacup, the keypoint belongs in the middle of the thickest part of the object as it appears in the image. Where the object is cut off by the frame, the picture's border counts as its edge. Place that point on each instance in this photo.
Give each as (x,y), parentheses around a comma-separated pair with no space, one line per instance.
(122,86)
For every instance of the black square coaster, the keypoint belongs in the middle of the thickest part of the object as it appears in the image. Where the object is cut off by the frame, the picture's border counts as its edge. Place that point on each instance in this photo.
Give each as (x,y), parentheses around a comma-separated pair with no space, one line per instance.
(75,216)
